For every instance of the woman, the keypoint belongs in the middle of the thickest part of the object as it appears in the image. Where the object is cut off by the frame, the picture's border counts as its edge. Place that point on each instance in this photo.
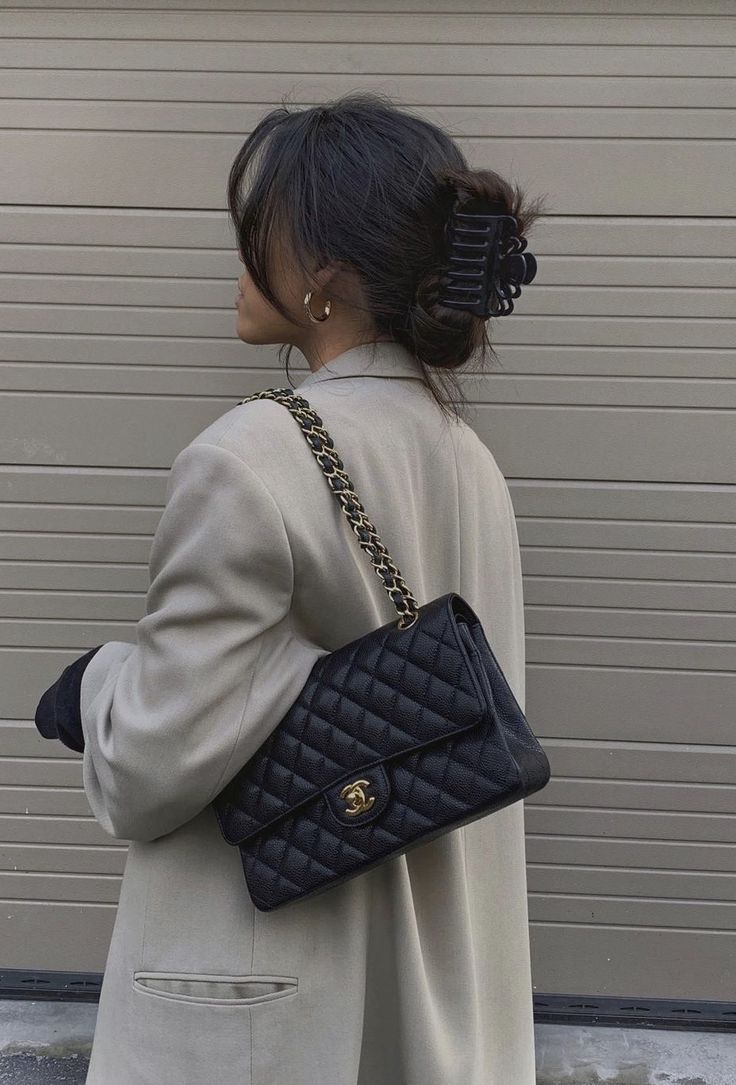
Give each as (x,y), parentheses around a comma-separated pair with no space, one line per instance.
(418,971)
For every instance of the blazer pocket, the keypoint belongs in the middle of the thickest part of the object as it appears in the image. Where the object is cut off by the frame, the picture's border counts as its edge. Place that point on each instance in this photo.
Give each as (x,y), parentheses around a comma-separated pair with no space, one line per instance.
(214,989)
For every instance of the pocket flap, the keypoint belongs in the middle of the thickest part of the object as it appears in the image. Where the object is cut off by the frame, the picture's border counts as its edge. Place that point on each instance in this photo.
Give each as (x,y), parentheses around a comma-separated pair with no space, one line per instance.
(214,988)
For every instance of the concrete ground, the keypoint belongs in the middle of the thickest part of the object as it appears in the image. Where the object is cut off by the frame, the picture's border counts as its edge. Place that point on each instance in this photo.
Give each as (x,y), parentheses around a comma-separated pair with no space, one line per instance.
(40,1070)
(48,1043)
(45,1043)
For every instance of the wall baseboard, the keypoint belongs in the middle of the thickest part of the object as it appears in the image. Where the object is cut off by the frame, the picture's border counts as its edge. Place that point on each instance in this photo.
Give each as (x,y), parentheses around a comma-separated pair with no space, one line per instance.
(46,986)
(635,1012)
(632,1012)
(606,1010)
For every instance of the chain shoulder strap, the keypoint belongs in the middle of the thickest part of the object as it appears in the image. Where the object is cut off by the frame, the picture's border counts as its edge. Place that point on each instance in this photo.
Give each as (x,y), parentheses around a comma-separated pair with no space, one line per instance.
(341,485)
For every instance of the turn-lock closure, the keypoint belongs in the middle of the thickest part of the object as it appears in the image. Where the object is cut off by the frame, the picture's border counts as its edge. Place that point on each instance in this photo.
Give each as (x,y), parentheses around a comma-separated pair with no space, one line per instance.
(360,797)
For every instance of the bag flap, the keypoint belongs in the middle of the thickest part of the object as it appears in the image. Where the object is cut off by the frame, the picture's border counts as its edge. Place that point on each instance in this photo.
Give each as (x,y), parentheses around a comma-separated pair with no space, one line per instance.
(384,694)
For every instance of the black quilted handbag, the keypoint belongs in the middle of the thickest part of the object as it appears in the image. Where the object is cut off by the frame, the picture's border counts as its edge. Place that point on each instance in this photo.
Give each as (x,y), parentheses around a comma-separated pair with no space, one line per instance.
(403,734)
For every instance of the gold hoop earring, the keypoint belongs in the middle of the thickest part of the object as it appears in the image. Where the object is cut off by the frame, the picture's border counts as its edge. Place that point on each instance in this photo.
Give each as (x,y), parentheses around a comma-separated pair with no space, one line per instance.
(310,314)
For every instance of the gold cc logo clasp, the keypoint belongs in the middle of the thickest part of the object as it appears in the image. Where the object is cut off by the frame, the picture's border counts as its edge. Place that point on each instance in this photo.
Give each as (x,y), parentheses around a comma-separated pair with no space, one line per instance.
(355,795)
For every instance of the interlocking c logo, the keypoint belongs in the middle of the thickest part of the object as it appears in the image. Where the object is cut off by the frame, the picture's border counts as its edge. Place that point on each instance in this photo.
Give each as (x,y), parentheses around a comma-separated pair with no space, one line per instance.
(355,795)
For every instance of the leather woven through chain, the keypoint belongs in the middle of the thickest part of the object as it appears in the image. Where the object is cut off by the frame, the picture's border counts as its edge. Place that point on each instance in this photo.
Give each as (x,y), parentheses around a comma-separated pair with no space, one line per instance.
(341,485)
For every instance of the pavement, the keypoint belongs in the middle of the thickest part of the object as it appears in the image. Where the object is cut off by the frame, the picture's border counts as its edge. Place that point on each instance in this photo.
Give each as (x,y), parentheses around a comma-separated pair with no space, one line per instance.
(48,1043)
(42,1070)
(45,1043)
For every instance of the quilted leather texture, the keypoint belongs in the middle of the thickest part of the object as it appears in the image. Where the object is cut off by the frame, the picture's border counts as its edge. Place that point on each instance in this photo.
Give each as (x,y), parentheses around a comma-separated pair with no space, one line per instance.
(396,737)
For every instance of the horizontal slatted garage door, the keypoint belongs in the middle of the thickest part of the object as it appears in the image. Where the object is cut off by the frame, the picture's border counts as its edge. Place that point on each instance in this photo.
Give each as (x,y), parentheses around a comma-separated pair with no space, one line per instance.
(611,413)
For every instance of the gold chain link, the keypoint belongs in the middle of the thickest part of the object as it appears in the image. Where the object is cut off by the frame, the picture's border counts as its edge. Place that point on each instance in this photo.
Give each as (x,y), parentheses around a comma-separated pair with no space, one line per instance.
(341,485)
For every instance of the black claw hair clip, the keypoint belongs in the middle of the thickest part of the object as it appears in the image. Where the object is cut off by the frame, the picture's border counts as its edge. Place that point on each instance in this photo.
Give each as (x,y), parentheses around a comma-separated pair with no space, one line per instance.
(487,264)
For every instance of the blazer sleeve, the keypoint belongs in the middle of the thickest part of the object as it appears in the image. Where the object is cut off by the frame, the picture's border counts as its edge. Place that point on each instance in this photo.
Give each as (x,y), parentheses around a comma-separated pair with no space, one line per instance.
(167,721)
(57,713)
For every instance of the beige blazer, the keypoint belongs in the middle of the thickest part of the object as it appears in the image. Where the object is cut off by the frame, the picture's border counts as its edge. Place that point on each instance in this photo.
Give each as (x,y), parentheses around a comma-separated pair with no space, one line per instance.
(414,973)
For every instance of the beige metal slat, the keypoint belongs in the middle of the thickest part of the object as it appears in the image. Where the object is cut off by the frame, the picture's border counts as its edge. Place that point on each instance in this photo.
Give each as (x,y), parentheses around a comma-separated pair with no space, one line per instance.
(61,859)
(456,27)
(81,935)
(579,176)
(627,704)
(432,89)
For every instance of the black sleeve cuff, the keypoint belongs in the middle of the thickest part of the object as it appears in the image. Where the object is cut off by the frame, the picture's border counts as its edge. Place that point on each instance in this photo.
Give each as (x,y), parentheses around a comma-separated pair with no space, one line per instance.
(58,712)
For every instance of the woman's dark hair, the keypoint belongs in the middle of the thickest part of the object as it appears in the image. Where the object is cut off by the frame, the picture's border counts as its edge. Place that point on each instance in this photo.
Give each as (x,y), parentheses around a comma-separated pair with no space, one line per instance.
(360,183)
